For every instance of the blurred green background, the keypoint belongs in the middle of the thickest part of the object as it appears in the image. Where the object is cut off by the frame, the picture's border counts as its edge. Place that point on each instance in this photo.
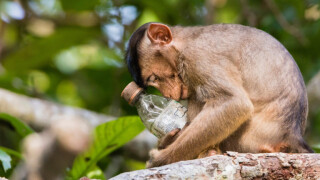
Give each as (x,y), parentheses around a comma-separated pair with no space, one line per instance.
(72,51)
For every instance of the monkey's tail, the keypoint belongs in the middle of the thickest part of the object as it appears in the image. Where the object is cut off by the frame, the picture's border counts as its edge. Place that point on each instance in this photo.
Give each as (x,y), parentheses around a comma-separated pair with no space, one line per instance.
(302,146)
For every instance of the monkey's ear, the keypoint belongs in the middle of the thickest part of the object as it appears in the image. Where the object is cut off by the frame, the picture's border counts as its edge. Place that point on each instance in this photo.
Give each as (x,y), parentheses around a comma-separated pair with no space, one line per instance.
(159,34)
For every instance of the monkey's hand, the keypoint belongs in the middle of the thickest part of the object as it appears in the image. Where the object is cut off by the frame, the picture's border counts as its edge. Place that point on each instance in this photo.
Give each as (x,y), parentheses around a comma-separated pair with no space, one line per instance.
(158,156)
(169,138)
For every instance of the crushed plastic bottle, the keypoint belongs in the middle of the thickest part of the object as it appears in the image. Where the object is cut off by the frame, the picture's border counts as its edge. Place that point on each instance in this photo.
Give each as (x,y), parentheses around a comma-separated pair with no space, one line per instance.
(160,115)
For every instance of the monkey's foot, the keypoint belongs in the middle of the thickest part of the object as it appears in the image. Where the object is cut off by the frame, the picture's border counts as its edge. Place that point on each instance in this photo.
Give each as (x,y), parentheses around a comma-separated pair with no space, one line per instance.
(281,147)
(209,152)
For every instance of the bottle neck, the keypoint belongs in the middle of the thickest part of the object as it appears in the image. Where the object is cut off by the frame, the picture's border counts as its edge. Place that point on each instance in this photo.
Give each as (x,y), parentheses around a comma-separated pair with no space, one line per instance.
(136,98)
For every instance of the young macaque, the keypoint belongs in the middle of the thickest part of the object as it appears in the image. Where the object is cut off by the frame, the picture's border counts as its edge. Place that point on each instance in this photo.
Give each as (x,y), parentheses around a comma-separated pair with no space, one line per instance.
(245,92)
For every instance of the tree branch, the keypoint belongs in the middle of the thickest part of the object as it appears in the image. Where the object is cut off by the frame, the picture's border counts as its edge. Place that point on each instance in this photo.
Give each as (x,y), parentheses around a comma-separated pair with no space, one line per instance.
(44,114)
(236,166)
(41,113)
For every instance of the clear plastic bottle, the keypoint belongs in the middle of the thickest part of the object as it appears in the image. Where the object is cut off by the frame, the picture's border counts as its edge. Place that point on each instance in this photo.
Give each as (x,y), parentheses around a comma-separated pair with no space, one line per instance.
(160,115)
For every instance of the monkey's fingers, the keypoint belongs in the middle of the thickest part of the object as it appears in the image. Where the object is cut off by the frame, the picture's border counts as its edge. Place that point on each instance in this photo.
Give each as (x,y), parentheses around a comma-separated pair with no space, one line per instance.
(168,138)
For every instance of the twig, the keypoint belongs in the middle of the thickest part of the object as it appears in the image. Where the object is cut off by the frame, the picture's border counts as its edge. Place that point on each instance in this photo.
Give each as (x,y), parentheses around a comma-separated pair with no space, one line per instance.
(284,23)
(2,29)
(248,14)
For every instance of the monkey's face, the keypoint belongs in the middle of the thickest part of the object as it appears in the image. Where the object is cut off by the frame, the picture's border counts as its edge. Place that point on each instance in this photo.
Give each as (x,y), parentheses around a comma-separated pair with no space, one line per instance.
(158,61)
(165,78)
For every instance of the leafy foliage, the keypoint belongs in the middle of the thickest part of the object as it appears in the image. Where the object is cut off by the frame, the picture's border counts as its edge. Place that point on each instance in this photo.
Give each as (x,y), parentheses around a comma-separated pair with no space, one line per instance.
(12,132)
(107,137)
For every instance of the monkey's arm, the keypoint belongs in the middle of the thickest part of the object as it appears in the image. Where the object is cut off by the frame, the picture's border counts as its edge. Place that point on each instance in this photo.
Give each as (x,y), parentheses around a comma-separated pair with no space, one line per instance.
(218,119)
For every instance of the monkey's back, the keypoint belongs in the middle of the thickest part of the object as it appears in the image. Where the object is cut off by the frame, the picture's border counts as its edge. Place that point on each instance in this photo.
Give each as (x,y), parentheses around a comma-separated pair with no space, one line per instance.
(274,82)
(276,88)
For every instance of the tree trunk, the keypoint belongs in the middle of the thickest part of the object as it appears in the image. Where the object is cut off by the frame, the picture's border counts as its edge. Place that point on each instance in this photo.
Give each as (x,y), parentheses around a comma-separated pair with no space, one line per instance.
(236,166)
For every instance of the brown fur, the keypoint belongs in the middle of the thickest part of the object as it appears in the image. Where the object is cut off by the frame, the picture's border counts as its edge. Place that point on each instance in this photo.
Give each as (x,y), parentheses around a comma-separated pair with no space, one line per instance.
(244,89)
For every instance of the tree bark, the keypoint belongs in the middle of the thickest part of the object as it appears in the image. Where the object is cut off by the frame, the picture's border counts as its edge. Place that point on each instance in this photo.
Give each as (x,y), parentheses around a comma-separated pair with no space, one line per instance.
(236,166)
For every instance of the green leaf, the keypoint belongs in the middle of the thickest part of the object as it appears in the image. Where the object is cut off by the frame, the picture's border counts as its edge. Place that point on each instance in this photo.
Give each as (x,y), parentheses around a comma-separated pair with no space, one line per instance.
(21,128)
(5,160)
(41,51)
(12,152)
(107,138)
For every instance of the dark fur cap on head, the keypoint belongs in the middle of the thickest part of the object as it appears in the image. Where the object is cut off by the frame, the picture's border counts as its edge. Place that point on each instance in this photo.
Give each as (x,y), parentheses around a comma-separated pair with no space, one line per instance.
(132,55)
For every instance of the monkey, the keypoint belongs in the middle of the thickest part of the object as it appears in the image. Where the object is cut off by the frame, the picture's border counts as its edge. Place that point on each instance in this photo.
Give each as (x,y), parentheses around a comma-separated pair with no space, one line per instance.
(245,92)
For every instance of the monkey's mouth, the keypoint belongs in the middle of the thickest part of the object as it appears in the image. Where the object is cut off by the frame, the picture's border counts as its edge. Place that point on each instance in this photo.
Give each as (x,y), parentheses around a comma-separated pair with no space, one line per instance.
(183,93)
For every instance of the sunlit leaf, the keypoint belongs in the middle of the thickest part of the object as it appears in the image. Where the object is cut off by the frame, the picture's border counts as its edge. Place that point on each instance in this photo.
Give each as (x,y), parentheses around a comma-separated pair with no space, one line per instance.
(107,137)
(313,13)
(95,173)
(5,160)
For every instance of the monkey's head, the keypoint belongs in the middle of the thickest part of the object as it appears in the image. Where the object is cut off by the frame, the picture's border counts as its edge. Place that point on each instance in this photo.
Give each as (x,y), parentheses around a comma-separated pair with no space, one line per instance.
(152,60)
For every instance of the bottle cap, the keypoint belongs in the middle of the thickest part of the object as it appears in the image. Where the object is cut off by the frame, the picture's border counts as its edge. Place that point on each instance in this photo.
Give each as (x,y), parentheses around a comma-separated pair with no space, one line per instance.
(131,92)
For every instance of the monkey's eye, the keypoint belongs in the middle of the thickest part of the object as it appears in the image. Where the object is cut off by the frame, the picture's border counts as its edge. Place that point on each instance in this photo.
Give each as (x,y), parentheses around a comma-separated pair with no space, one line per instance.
(153,78)
(156,78)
